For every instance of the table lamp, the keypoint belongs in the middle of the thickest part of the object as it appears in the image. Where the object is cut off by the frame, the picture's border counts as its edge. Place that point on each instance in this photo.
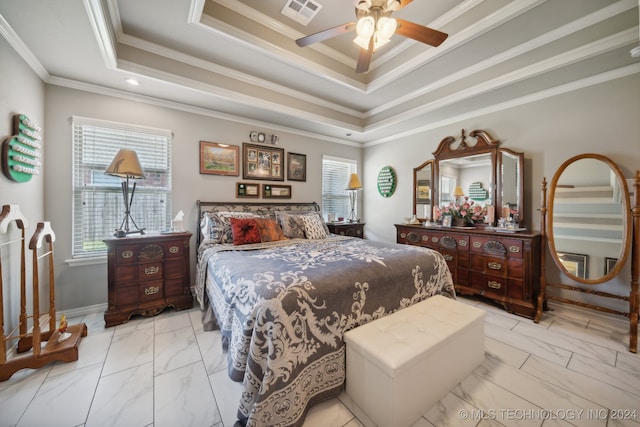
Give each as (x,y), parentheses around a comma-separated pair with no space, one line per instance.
(352,186)
(126,165)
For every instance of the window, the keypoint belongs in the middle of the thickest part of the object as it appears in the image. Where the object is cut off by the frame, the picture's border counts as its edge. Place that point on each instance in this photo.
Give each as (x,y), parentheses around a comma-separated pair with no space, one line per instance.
(98,207)
(335,176)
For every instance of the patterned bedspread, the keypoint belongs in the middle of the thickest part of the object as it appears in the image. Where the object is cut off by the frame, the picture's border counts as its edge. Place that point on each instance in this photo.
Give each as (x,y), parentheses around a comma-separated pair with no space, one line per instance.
(283,307)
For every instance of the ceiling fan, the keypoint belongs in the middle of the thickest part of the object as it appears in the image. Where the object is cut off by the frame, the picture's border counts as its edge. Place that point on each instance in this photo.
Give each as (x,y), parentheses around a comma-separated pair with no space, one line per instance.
(374,28)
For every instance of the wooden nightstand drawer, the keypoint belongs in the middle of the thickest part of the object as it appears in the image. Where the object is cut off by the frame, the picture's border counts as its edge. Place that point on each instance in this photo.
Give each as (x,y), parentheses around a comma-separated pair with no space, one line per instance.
(174,268)
(150,291)
(354,229)
(126,295)
(151,271)
(147,274)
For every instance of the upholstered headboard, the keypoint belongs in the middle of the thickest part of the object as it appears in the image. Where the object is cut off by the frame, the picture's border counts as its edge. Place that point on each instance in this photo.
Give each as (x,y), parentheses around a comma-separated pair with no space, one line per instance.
(260,208)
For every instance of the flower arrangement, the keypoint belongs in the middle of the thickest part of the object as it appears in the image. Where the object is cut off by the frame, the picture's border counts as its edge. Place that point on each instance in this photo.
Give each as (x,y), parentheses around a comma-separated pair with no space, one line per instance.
(466,210)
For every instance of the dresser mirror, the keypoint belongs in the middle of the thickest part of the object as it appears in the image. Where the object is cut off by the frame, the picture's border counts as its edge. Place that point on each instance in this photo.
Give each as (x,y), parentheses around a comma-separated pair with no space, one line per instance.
(483,172)
(422,186)
(591,227)
(589,220)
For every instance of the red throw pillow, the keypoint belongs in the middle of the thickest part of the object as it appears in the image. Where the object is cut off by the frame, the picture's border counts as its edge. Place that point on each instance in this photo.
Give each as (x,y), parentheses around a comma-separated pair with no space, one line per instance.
(270,230)
(245,230)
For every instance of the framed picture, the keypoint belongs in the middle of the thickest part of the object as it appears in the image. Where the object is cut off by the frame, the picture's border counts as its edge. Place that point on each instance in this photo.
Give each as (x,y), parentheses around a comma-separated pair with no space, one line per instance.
(276,191)
(262,162)
(576,264)
(246,189)
(423,191)
(219,159)
(296,167)
(609,264)
(446,220)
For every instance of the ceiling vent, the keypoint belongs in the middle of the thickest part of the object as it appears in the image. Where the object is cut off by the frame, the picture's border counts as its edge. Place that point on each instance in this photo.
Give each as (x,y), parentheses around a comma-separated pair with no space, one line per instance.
(301,11)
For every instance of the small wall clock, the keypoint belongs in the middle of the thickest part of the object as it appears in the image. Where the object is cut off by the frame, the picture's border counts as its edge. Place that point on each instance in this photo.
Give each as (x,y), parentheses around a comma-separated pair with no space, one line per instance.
(387,181)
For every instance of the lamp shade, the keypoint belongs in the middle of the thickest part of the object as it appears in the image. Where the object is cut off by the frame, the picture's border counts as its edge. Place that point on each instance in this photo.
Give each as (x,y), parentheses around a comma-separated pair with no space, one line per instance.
(125,165)
(457,192)
(354,182)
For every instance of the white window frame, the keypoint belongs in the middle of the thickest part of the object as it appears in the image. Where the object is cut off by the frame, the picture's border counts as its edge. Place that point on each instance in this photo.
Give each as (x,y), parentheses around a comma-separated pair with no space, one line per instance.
(335,177)
(97,202)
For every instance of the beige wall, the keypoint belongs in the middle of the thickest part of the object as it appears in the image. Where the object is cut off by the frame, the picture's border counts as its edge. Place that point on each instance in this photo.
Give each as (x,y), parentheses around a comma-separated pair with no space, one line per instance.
(21,92)
(600,119)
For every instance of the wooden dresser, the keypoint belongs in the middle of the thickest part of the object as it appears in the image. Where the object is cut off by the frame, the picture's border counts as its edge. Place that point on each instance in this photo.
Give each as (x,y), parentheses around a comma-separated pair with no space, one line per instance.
(504,267)
(147,274)
(353,229)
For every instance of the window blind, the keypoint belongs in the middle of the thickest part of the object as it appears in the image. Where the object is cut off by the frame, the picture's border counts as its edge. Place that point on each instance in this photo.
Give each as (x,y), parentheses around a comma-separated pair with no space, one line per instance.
(98,205)
(335,176)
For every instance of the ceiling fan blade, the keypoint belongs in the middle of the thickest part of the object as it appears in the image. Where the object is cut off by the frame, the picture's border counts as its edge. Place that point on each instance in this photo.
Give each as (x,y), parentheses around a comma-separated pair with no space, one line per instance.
(365,58)
(420,33)
(326,34)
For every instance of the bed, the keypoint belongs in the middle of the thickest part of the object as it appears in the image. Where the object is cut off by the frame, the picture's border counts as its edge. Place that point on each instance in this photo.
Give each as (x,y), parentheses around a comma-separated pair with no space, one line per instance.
(283,301)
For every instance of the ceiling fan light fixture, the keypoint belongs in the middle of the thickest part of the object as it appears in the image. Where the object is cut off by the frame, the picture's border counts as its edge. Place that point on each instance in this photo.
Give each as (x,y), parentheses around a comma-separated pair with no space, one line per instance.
(386,27)
(363,4)
(365,27)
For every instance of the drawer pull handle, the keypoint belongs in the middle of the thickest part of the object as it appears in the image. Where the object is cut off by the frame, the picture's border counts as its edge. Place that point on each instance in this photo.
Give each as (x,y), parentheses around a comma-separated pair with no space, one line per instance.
(403,235)
(494,265)
(494,285)
(448,257)
(151,290)
(151,270)
(477,244)
(434,239)
(462,242)
(515,249)
(174,249)
(127,254)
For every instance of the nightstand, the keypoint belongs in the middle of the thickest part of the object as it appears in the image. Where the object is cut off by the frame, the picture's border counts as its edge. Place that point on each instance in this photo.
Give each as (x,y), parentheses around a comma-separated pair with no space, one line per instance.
(354,229)
(147,274)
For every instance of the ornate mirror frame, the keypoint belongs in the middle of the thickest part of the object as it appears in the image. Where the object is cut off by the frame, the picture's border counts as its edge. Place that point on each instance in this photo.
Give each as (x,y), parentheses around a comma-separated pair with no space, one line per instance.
(629,245)
(423,191)
(452,149)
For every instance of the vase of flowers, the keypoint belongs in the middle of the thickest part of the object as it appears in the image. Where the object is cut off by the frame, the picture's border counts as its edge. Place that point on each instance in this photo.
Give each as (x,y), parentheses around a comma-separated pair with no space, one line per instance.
(465,212)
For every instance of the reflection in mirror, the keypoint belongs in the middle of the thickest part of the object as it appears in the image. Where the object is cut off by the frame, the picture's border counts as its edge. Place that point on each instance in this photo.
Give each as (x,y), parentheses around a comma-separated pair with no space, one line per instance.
(589,219)
(423,185)
(473,174)
(509,176)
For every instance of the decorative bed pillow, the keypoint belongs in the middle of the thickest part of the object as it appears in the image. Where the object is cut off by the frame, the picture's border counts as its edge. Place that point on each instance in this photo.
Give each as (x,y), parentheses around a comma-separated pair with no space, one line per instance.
(244,230)
(313,227)
(220,225)
(270,230)
(292,224)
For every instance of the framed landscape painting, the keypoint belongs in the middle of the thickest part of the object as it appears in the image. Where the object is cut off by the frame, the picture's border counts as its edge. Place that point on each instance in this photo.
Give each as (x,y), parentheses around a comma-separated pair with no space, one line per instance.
(219,159)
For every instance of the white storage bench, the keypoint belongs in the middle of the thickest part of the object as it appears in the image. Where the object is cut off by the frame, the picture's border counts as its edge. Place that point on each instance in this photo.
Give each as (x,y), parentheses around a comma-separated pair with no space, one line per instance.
(402,364)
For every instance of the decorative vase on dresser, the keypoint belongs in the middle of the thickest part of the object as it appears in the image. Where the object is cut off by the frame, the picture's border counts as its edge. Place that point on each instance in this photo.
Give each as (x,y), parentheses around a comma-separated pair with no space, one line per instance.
(497,265)
(147,274)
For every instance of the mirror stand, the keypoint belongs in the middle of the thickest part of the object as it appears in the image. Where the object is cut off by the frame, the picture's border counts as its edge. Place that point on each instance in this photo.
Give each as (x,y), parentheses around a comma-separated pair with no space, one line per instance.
(634,295)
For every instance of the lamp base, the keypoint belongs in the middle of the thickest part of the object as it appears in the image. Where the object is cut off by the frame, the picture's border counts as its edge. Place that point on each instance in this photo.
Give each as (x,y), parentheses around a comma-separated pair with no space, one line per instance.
(124,233)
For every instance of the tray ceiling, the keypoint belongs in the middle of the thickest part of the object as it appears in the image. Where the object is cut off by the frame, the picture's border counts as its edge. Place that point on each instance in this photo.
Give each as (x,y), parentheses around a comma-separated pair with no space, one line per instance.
(237,59)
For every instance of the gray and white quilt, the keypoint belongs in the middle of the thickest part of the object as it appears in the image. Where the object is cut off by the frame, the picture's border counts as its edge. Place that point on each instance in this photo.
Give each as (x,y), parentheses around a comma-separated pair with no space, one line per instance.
(283,307)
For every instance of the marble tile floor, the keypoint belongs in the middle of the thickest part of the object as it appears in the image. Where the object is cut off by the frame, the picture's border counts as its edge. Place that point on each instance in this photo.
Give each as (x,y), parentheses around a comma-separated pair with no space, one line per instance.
(571,369)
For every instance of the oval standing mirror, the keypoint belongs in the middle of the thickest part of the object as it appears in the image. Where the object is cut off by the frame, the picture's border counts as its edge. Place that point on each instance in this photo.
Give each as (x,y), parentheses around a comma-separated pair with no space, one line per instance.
(422,190)
(589,221)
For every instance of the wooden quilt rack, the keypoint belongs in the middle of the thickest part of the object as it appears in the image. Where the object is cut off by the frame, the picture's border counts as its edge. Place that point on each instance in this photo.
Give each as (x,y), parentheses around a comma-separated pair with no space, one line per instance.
(35,347)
